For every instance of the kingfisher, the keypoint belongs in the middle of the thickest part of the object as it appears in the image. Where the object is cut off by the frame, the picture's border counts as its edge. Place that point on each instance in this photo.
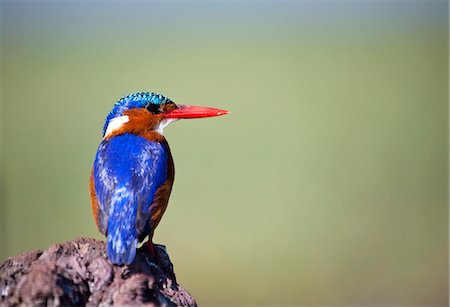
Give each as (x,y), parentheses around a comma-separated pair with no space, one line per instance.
(133,170)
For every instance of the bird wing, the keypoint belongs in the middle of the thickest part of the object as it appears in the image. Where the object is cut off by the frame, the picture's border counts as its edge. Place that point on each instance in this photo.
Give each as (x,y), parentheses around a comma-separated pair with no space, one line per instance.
(128,169)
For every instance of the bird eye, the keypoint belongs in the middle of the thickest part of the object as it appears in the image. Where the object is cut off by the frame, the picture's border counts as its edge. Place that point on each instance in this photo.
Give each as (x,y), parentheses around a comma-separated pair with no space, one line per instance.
(153,108)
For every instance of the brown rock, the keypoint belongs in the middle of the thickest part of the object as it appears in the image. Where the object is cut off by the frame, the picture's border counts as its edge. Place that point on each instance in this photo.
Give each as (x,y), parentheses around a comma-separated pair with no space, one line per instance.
(77,273)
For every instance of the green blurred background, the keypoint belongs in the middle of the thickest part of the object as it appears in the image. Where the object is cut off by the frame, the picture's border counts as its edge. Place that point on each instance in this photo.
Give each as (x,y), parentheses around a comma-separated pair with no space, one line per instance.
(328,182)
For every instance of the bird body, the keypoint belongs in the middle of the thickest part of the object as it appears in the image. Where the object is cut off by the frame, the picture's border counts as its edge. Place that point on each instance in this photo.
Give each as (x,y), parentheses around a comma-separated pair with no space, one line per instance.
(133,171)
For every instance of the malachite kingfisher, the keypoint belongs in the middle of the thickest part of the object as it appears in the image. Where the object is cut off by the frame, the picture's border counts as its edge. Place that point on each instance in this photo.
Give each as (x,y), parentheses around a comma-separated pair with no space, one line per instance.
(133,171)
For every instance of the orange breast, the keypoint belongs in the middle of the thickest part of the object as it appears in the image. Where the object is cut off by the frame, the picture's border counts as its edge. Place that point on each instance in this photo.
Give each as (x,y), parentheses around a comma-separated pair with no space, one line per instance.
(162,194)
(94,201)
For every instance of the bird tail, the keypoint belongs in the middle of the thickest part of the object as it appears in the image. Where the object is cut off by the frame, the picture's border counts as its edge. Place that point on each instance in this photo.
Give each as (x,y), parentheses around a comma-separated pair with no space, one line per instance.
(122,234)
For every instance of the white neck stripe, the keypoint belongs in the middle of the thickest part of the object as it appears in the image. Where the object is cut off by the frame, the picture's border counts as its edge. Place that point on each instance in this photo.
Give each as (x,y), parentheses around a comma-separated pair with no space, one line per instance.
(164,123)
(115,124)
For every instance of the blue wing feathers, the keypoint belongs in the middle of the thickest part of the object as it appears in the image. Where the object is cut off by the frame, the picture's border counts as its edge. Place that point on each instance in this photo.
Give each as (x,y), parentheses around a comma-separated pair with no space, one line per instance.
(128,169)
(122,234)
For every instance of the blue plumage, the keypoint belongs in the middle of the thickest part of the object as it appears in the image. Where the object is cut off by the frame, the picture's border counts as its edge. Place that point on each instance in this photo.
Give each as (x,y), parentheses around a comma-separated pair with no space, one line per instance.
(128,169)
(135,100)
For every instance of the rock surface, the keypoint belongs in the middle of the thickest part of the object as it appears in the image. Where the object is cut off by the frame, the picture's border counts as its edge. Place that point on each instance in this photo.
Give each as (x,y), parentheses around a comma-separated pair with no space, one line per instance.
(78,273)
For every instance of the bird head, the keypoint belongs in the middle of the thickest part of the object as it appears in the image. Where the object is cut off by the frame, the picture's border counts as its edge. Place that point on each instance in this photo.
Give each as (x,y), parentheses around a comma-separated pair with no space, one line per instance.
(145,111)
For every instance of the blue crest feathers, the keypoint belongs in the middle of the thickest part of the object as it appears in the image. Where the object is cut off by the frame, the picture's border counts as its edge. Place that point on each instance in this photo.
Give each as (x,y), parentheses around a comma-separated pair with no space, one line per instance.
(132,101)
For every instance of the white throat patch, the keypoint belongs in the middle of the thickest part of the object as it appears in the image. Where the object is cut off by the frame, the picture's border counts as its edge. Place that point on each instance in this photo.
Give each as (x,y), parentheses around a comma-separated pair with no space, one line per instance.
(115,124)
(164,123)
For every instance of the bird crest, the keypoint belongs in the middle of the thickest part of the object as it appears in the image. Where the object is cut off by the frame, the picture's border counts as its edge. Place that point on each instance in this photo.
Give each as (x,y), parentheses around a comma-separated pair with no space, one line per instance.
(149,100)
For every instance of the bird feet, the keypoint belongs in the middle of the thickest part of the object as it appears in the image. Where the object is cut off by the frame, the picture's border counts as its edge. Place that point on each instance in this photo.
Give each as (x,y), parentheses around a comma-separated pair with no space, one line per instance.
(151,248)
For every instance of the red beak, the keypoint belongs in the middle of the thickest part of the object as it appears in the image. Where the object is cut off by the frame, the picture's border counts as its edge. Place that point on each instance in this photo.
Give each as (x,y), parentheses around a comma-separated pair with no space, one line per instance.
(194,112)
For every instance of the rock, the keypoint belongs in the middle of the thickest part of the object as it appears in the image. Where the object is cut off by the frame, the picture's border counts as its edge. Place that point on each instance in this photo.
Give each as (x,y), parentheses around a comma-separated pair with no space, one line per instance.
(77,273)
